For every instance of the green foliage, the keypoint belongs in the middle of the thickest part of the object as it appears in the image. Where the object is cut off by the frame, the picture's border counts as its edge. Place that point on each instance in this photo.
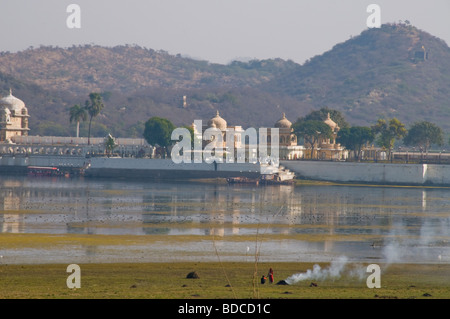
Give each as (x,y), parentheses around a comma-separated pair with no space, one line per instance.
(322,114)
(158,131)
(312,128)
(311,131)
(388,132)
(77,114)
(93,107)
(424,134)
(354,138)
(110,144)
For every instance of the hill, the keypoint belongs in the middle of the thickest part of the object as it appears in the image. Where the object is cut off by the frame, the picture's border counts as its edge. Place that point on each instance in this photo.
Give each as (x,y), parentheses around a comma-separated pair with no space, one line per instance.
(125,69)
(137,83)
(396,70)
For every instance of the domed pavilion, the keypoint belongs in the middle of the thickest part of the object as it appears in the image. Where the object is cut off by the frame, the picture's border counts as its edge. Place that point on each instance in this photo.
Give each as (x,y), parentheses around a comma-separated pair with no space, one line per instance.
(13,118)
(287,139)
(327,148)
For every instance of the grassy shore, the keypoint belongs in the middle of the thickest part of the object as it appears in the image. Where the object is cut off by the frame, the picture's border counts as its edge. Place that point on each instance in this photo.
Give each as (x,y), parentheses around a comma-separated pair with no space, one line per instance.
(216,281)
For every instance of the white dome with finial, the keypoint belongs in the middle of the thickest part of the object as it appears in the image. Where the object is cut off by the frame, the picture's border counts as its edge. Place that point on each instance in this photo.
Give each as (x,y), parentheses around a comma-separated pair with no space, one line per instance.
(283,122)
(218,122)
(13,103)
(331,123)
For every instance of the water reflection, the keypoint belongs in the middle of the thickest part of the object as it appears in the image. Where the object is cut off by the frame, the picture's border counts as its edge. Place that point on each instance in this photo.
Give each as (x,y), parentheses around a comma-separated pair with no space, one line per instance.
(374,222)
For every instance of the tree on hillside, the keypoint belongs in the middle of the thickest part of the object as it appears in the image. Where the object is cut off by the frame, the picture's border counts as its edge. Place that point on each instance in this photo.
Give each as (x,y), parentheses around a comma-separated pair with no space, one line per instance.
(93,107)
(158,131)
(354,138)
(387,132)
(424,134)
(77,114)
(312,131)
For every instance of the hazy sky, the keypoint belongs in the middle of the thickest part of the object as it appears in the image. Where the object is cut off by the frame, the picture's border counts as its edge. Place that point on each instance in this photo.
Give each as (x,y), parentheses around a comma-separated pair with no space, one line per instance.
(214,30)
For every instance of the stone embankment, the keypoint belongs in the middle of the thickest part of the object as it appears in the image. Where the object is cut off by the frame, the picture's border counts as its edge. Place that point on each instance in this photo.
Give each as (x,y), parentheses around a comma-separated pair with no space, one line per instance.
(377,173)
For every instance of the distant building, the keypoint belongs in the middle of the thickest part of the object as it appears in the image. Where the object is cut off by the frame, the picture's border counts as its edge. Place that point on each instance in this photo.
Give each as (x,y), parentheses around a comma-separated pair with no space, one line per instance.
(288,140)
(327,148)
(419,54)
(219,123)
(13,118)
(288,148)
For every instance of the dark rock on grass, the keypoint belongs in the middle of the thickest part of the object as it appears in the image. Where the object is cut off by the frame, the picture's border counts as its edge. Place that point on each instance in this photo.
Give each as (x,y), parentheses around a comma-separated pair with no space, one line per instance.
(192,275)
(282,282)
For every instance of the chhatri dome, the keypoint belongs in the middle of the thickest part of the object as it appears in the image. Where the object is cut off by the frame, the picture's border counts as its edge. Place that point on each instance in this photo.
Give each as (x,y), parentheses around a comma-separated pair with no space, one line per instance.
(218,121)
(283,122)
(13,103)
(331,123)
(13,118)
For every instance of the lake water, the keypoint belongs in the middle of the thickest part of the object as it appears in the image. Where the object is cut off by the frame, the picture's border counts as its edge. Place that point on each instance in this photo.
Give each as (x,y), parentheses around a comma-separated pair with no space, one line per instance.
(129,221)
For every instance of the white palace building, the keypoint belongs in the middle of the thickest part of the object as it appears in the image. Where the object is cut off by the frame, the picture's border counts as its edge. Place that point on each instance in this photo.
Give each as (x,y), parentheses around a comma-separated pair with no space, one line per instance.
(15,138)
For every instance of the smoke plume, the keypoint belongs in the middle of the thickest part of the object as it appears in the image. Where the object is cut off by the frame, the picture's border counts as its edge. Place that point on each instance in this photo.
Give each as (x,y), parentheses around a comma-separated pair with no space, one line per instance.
(336,269)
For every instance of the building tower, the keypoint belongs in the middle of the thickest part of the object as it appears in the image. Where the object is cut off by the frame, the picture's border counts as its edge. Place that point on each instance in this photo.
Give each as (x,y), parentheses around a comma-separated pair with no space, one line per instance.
(13,118)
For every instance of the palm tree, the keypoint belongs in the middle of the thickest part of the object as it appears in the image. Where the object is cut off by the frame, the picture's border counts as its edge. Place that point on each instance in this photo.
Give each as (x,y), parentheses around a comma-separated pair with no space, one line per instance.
(77,114)
(93,106)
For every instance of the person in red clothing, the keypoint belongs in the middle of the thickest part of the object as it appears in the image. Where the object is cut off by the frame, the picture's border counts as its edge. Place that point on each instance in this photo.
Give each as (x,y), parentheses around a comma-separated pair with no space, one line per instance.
(270,275)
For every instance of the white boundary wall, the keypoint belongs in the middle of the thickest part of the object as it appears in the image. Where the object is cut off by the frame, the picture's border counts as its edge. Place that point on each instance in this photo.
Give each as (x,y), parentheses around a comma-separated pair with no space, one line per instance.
(167,164)
(411,174)
(62,161)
